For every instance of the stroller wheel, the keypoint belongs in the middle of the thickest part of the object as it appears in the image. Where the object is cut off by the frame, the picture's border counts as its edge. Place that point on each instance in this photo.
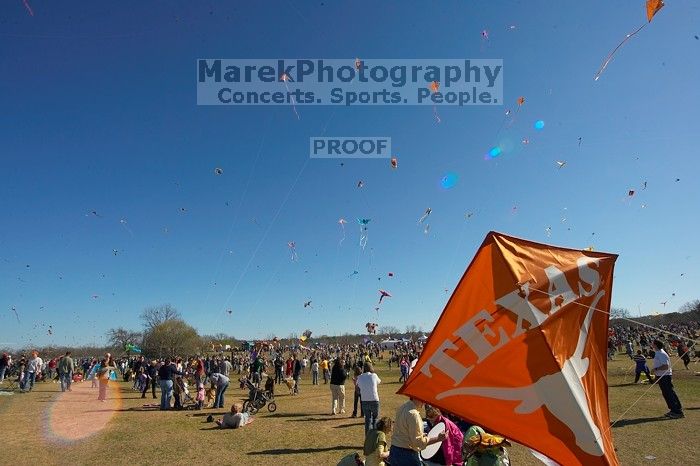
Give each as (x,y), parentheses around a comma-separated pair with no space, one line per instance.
(272,406)
(249,407)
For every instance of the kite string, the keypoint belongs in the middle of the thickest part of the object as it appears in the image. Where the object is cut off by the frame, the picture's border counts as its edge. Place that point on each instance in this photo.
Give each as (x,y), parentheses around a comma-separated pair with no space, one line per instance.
(639,323)
(267,231)
(621,318)
(238,211)
(611,54)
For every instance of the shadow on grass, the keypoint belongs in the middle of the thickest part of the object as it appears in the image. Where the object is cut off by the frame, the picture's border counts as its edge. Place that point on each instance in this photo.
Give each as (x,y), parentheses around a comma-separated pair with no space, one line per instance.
(286,415)
(292,451)
(641,420)
(342,426)
(328,418)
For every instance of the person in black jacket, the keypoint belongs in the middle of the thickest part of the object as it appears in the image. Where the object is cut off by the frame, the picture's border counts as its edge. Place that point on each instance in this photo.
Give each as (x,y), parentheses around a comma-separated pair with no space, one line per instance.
(152,373)
(165,374)
(338,377)
(296,373)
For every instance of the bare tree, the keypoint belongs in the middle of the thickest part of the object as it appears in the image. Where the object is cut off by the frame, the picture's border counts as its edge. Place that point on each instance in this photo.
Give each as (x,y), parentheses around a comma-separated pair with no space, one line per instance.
(619,313)
(120,337)
(156,315)
(388,330)
(690,306)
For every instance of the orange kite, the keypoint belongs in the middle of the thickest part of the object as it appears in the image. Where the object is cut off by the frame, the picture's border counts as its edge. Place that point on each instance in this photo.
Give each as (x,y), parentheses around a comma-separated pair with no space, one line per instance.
(653,7)
(520,349)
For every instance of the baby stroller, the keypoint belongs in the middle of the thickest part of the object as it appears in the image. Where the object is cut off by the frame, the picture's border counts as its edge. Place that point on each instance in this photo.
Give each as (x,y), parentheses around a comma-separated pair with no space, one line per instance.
(186,400)
(257,399)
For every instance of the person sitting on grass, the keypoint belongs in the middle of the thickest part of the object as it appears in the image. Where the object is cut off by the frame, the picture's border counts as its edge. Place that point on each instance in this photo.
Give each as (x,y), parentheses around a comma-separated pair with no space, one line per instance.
(235,419)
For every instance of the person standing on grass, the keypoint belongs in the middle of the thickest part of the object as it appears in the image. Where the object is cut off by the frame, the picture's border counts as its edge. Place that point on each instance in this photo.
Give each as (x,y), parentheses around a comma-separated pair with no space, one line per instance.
(326,371)
(357,371)
(683,353)
(220,383)
(663,372)
(314,372)
(103,376)
(165,374)
(65,371)
(338,378)
(4,364)
(641,366)
(368,382)
(33,368)
(296,373)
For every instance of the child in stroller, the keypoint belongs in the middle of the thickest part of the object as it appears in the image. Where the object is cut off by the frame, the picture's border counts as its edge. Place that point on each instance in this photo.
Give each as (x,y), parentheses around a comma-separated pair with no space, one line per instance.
(183,399)
(257,398)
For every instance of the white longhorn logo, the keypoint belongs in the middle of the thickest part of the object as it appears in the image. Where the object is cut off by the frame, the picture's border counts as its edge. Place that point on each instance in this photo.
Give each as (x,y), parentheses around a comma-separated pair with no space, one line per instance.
(562,393)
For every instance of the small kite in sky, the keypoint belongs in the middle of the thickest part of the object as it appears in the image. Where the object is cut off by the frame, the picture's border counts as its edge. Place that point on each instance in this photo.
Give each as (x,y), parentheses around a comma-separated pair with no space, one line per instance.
(394,163)
(434,88)
(358,64)
(469,215)
(521,101)
(14,309)
(307,304)
(653,7)
(360,184)
(561,163)
(307,333)
(284,78)
(94,212)
(383,294)
(342,222)
(630,193)
(354,272)
(95,296)
(364,221)
(390,274)
(548,230)
(485,35)
(663,303)
(115,251)
(371,328)
(183,210)
(218,171)
(525,141)
(425,215)
(229,311)
(293,247)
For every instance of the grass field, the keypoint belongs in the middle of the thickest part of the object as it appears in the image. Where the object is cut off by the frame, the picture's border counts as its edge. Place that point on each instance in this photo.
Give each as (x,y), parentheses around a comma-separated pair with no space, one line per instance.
(43,427)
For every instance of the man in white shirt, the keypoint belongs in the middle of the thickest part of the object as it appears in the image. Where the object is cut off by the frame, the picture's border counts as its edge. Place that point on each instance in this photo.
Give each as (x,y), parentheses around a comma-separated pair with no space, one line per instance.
(369,397)
(663,372)
(34,366)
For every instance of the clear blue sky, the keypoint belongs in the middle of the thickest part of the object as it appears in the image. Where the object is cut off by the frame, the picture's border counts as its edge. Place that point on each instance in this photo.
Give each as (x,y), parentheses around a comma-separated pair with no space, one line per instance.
(99,113)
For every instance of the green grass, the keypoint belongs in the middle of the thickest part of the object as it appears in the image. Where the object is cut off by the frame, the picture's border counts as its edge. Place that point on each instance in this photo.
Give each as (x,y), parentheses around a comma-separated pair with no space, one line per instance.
(301,431)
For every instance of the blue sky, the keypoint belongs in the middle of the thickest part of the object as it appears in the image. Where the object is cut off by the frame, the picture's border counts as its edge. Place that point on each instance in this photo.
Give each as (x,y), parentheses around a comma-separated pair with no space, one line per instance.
(99,114)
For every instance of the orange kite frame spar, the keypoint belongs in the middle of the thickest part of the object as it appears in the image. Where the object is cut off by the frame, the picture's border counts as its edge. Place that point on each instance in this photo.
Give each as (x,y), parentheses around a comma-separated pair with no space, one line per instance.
(521,349)
(653,7)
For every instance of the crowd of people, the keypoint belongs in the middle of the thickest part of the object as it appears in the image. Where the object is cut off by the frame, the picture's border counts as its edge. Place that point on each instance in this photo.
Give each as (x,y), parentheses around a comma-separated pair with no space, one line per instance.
(336,365)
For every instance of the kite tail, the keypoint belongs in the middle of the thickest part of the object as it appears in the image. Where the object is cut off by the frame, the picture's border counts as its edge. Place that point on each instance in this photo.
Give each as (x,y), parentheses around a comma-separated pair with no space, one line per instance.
(611,54)
(29,8)
(435,113)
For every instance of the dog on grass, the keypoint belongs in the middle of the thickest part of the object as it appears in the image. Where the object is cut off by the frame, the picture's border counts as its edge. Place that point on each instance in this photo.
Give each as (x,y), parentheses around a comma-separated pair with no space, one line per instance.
(210,394)
(290,385)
